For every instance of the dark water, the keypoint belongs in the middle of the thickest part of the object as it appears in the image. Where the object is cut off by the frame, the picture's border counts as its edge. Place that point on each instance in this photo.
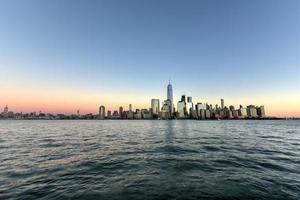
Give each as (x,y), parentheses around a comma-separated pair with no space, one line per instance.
(149,159)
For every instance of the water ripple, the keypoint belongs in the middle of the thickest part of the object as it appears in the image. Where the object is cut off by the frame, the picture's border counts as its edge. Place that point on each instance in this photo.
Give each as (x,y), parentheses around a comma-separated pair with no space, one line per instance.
(150,159)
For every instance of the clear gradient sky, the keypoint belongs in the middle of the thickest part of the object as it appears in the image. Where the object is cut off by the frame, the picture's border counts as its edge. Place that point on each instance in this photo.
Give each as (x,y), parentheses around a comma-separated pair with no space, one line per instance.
(63,55)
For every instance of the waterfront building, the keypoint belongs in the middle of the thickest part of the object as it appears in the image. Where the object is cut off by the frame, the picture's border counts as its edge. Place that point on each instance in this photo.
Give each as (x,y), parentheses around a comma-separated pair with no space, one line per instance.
(222,104)
(221,113)
(165,112)
(109,114)
(207,114)
(5,112)
(10,114)
(261,111)
(251,111)
(189,105)
(20,116)
(235,114)
(138,114)
(202,114)
(230,114)
(167,107)
(200,110)
(101,112)
(120,112)
(181,107)
(146,114)
(216,107)
(193,114)
(202,106)
(170,97)
(197,106)
(226,113)
(129,115)
(115,114)
(130,108)
(155,106)
(242,112)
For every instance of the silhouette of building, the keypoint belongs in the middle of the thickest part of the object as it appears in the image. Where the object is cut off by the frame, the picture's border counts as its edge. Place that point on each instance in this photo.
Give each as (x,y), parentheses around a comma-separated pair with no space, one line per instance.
(101,112)
(109,114)
(261,111)
(121,112)
(170,97)
(222,104)
(130,108)
(115,115)
(251,111)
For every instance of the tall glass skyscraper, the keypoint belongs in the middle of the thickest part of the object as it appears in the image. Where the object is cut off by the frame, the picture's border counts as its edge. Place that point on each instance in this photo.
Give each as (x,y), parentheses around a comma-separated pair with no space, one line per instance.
(170,96)
(155,106)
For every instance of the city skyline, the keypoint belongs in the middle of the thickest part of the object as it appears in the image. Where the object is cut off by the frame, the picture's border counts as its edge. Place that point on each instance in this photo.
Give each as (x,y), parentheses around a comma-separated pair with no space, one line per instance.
(169,95)
(186,109)
(60,57)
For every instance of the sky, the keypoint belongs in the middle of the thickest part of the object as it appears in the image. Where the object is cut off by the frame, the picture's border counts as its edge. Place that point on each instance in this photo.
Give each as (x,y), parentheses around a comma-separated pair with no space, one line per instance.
(61,56)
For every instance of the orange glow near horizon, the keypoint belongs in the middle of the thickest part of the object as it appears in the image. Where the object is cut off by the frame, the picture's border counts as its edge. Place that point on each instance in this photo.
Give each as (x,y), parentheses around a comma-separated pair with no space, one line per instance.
(68,102)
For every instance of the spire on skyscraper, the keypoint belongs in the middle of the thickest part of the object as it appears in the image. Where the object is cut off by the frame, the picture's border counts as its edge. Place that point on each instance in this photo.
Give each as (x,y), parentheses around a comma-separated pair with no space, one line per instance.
(170,96)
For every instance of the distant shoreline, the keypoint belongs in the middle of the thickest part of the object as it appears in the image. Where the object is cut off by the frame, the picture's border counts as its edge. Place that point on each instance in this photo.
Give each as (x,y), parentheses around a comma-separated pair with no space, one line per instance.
(248,119)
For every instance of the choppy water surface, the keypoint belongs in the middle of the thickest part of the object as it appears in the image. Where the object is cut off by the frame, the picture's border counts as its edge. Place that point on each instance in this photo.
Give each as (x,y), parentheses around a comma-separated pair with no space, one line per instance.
(150,159)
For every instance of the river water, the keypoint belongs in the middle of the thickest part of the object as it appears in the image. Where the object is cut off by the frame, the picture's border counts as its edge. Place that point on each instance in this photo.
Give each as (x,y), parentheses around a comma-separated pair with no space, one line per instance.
(179,159)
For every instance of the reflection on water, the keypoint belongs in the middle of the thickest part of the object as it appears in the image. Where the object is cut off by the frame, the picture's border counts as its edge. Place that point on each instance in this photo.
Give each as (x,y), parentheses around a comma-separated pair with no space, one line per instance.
(150,159)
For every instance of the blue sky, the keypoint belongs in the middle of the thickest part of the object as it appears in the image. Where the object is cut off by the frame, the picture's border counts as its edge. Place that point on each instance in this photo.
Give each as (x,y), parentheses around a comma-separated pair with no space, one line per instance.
(209,49)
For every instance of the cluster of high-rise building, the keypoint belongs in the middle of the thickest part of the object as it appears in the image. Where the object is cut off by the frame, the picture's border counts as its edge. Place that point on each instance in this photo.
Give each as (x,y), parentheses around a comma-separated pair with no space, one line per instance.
(186,109)
(6,114)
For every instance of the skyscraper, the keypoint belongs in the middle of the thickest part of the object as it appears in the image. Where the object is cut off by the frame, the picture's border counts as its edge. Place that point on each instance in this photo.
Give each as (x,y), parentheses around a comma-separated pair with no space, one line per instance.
(155,106)
(251,111)
(166,110)
(183,98)
(222,104)
(261,111)
(120,111)
(170,97)
(189,105)
(101,112)
(181,109)
(130,108)
(109,114)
